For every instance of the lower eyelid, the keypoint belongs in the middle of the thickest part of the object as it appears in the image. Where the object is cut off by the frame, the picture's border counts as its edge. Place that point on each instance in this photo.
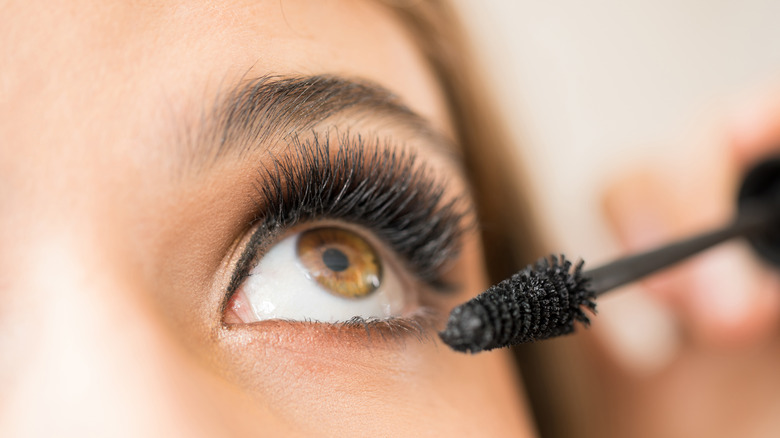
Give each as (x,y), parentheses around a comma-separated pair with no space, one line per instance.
(274,355)
(357,333)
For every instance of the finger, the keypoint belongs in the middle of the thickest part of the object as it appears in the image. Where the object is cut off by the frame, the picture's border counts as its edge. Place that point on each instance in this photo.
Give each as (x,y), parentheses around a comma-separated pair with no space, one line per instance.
(754,131)
(731,299)
(638,329)
(647,209)
(637,205)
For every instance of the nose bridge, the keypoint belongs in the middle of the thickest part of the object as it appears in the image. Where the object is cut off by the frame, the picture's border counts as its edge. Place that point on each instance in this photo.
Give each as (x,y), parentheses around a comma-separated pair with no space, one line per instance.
(94,359)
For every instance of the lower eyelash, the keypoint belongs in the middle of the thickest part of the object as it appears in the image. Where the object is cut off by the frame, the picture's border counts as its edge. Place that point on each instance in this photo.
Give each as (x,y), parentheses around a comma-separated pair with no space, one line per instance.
(357,332)
(418,326)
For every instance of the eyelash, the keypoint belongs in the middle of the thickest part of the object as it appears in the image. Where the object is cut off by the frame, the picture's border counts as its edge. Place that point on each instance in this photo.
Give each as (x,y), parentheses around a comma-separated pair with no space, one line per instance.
(375,184)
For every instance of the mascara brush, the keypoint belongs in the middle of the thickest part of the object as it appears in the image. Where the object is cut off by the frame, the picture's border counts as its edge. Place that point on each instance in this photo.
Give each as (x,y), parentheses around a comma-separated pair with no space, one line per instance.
(544,300)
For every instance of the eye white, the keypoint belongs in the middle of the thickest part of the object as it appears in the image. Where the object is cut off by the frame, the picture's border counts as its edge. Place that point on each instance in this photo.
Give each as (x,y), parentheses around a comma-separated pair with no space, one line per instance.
(279,287)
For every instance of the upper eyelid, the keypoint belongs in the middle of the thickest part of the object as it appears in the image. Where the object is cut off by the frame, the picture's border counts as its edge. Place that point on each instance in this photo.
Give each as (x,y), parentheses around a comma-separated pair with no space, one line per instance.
(432,226)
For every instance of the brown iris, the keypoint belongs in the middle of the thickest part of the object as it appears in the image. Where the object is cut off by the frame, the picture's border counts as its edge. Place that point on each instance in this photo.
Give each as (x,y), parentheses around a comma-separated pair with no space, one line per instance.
(341,261)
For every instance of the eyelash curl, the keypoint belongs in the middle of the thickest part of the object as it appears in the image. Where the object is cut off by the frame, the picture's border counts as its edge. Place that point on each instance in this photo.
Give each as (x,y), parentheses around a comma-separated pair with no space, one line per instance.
(377,185)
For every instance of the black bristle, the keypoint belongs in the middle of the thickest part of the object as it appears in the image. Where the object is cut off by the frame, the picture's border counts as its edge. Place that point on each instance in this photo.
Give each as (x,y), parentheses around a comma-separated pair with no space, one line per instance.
(542,301)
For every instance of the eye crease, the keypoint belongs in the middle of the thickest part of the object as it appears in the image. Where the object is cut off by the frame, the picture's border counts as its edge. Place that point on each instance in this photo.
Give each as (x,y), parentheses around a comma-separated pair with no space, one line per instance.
(332,273)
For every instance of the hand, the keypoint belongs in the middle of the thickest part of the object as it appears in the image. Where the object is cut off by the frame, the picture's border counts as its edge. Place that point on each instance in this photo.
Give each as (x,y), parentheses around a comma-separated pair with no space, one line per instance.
(722,379)
(726,297)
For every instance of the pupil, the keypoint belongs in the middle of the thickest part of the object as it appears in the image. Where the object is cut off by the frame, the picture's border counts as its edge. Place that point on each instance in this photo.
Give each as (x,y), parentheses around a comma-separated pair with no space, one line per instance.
(335,260)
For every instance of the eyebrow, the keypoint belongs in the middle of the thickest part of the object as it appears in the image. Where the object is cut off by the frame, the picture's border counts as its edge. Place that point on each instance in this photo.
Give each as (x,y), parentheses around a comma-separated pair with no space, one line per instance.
(256,111)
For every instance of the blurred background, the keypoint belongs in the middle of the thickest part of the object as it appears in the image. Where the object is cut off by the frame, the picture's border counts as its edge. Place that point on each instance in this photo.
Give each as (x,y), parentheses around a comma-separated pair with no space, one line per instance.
(591,88)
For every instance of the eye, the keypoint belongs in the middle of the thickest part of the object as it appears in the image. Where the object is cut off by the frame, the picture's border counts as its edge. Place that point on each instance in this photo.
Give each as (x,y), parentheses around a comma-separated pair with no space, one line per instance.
(364,191)
(325,274)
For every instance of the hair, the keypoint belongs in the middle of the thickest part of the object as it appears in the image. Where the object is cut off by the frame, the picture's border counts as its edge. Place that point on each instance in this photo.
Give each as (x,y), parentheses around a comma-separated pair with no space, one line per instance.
(489,157)
(493,167)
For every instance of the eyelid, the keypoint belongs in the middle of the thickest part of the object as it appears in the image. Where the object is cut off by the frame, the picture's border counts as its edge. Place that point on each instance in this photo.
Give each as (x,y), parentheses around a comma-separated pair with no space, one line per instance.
(357,332)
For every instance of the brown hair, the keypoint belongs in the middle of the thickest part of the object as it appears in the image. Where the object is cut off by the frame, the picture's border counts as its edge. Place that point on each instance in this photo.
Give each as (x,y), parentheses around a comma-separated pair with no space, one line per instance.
(490,159)
(493,166)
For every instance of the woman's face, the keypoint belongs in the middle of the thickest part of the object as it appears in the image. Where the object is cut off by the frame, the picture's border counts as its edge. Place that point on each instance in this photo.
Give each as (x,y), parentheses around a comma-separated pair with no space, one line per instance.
(232,217)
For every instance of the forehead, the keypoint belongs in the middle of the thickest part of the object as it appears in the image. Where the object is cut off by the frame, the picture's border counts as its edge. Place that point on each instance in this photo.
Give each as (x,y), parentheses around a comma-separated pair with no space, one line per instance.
(108,72)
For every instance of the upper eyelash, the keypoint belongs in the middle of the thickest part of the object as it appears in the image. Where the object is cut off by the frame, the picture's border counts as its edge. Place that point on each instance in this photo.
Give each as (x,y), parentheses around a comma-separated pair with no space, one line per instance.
(374,184)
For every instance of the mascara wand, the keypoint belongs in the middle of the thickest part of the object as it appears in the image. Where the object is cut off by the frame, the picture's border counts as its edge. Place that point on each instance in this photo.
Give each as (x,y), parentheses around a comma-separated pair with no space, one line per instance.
(545,299)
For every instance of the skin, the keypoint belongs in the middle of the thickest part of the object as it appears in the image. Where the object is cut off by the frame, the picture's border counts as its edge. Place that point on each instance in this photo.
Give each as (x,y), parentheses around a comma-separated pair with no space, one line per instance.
(115,256)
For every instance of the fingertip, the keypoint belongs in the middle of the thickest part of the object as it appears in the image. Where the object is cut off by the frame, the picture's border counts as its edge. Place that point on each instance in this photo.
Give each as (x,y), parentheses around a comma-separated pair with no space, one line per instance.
(637,331)
(754,128)
(732,301)
(636,209)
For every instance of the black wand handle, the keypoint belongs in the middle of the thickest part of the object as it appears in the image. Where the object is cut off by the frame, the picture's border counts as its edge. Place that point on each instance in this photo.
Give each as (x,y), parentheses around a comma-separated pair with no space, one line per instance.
(752,218)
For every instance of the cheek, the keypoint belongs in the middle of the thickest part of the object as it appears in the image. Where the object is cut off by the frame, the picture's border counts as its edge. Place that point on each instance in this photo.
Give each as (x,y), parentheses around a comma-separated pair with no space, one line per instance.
(318,384)
(328,378)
